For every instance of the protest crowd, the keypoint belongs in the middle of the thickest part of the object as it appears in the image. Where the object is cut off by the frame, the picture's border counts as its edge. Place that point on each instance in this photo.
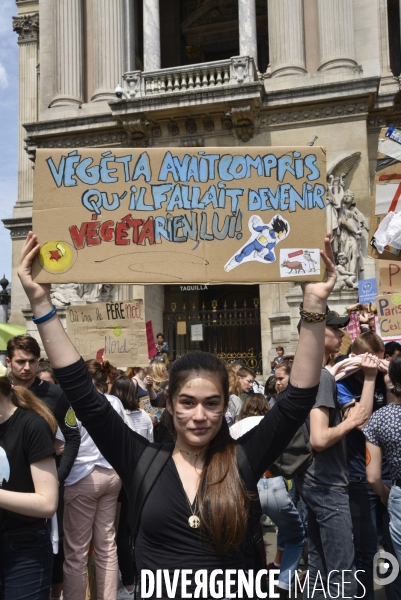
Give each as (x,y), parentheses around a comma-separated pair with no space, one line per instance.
(320,442)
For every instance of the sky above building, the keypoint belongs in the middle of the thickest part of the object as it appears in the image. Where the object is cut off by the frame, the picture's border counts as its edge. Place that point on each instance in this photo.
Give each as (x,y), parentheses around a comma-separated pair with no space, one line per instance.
(8,127)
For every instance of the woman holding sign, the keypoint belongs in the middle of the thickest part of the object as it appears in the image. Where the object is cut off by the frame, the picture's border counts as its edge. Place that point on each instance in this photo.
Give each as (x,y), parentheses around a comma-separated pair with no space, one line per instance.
(196,514)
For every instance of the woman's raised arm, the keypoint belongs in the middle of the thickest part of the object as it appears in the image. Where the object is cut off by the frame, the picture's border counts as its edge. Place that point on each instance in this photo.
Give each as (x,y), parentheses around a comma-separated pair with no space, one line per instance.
(59,349)
(308,359)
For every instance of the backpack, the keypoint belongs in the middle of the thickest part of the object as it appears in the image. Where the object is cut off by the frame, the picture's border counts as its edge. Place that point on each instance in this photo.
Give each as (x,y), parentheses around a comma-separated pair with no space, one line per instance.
(296,458)
(148,469)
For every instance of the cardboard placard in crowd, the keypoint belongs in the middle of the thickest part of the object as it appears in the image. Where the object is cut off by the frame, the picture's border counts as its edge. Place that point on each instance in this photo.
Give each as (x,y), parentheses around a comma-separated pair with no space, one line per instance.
(152,352)
(390,276)
(113,331)
(386,195)
(179,215)
(389,315)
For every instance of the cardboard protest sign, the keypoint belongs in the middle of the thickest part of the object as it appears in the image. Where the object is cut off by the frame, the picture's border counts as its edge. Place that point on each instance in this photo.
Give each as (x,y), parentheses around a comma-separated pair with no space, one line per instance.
(150,340)
(389,315)
(179,215)
(113,331)
(390,276)
(386,199)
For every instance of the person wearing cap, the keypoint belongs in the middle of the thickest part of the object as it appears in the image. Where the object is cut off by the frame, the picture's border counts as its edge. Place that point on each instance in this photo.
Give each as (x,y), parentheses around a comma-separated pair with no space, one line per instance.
(324,485)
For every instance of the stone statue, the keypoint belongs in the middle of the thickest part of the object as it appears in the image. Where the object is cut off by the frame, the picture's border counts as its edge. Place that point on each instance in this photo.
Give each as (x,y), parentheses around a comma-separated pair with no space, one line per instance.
(76,293)
(345,278)
(346,223)
(65,294)
(96,292)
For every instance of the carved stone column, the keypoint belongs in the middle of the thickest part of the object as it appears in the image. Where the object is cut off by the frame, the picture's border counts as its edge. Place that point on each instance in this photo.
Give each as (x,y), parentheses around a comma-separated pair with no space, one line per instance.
(286,38)
(108,41)
(151,35)
(248,42)
(27,27)
(68,53)
(336,34)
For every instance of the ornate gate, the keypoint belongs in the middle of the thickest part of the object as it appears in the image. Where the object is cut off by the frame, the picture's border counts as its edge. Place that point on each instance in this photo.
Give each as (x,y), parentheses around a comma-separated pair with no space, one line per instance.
(223,320)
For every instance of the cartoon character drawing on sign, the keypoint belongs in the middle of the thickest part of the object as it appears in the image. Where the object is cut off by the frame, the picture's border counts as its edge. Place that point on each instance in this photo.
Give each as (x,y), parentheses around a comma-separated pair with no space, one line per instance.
(4,467)
(311,262)
(264,239)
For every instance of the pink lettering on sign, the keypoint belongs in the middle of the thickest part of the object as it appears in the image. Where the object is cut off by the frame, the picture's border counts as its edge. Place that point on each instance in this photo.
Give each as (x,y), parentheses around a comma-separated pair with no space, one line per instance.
(297,253)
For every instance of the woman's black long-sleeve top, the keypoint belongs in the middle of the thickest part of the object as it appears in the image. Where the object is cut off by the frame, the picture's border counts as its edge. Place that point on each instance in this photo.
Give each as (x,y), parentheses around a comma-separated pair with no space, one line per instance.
(165,540)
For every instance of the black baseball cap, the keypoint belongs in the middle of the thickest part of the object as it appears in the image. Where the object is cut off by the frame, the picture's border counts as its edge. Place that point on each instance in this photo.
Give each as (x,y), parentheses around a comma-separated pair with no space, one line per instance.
(332,320)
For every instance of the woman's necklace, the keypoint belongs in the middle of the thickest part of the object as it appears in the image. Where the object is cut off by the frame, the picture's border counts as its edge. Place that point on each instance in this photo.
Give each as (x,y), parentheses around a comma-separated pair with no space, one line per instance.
(193,520)
(189,451)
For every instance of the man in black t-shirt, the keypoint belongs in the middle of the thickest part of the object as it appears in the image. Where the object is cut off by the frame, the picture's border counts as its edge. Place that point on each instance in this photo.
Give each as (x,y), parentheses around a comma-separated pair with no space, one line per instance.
(23,353)
(324,485)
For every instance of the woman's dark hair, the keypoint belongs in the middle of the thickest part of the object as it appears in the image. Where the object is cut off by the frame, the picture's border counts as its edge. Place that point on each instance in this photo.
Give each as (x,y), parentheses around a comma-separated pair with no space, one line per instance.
(45,367)
(98,372)
(25,399)
(270,386)
(394,372)
(223,498)
(254,405)
(126,390)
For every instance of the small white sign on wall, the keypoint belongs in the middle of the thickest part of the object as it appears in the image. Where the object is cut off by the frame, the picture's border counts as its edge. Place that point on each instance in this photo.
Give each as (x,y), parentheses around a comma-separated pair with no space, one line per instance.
(197,333)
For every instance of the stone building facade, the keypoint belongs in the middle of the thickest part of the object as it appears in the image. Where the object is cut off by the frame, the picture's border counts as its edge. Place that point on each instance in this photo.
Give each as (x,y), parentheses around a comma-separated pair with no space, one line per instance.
(210,73)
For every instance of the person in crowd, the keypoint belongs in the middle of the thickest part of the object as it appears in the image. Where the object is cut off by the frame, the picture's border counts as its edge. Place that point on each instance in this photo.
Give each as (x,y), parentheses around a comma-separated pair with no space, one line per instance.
(278,505)
(28,493)
(365,387)
(45,372)
(252,412)
(270,390)
(383,439)
(144,382)
(235,392)
(90,500)
(365,315)
(110,374)
(161,345)
(125,389)
(191,507)
(391,349)
(23,355)
(159,375)
(278,359)
(246,378)
(323,486)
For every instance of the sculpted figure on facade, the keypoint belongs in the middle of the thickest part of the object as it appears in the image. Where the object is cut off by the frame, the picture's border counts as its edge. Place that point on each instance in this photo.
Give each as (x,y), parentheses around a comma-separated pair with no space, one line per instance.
(74,293)
(345,278)
(347,224)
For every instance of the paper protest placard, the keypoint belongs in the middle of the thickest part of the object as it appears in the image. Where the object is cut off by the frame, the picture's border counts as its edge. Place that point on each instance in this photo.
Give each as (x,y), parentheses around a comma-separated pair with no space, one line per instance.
(390,277)
(367,290)
(177,215)
(113,331)
(389,315)
(384,233)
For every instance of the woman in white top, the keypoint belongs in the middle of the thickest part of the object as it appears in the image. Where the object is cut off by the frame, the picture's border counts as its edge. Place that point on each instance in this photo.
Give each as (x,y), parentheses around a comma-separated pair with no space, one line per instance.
(126,390)
(90,501)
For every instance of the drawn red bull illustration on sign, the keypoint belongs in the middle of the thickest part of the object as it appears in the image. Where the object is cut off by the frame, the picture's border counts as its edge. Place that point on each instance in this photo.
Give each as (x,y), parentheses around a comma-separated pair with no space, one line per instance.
(178,215)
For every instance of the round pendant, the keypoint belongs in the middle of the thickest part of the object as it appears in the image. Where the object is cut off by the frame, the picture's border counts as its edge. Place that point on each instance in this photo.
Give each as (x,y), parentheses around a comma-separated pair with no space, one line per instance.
(194,522)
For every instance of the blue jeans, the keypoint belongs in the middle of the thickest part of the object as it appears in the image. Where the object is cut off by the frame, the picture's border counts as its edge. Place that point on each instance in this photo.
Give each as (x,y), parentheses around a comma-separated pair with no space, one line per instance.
(394,509)
(277,504)
(26,567)
(330,540)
